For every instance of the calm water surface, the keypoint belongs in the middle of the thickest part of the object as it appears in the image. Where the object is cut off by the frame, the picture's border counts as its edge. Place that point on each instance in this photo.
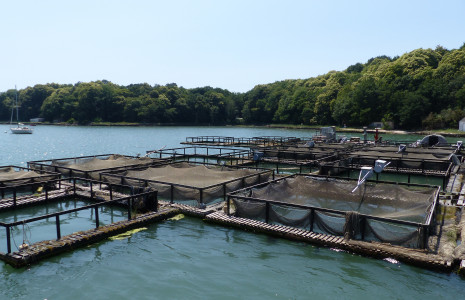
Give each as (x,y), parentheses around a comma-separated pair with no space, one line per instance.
(189,259)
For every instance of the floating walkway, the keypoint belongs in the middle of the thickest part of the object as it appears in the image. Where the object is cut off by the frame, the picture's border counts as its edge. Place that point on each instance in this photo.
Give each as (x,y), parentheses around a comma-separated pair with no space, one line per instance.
(11,203)
(442,252)
(416,257)
(212,214)
(44,249)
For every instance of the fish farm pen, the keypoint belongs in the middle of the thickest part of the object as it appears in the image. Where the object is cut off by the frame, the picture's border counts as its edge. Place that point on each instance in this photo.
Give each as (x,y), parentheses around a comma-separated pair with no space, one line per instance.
(60,208)
(192,182)
(316,146)
(399,214)
(399,170)
(418,165)
(241,141)
(90,167)
(14,175)
(296,154)
(283,167)
(62,204)
(440,151)
(215,155)
(299,158)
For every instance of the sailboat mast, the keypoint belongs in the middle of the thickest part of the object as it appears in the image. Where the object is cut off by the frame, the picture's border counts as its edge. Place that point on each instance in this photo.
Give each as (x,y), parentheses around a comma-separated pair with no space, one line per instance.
(16,101)
(12,114)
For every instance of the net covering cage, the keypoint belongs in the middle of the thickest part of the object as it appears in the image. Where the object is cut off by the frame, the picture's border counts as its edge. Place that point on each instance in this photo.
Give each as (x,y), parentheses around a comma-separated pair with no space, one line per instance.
(338,210)
(297,153)
(440,156)
(418,150)
(79,167)
(184,181)
(438,161)
(9,176)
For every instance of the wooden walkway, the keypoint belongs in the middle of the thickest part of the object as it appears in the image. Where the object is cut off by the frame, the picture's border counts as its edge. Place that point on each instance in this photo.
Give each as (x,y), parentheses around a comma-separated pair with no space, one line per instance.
(214,214)
(9,203)
(415,257)
(44,249)
(277,230)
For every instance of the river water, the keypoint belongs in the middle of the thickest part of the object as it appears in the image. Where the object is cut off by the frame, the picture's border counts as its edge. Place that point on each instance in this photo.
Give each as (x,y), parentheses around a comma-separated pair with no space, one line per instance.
(190,259)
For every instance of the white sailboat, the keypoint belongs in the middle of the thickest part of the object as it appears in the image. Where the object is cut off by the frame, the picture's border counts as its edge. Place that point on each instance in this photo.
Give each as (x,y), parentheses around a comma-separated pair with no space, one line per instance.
(20,128)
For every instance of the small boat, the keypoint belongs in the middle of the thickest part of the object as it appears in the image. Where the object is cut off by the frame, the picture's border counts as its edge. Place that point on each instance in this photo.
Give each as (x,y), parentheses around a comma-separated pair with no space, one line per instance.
(20,128)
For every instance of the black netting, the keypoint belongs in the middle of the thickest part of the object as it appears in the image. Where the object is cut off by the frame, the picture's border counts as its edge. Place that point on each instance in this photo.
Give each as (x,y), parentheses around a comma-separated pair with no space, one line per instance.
(387,201)
(191,182)
(83,167)
(11,177)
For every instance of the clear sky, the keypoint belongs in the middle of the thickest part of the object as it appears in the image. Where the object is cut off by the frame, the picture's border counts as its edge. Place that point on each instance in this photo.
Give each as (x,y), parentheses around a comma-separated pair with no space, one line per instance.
(231,44)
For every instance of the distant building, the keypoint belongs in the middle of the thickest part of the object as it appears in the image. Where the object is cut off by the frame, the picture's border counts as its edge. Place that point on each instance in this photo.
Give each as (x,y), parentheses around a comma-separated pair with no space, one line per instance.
(36,120)
(462,125)
(389,125)
(376,125)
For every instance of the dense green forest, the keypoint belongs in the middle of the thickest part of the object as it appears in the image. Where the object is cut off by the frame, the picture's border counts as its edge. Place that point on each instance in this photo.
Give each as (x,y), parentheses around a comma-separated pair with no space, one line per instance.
(424,88)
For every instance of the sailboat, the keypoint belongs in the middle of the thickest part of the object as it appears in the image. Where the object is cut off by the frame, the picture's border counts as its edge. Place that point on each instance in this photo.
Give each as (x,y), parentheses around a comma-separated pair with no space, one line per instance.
(20,128)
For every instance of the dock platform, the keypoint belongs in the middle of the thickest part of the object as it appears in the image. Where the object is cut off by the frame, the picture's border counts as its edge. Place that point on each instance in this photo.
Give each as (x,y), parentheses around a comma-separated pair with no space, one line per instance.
(417,257)
(44,249)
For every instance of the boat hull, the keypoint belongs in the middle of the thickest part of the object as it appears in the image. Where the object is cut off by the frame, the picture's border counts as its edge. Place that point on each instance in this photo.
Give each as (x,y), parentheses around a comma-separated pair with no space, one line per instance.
(21,130)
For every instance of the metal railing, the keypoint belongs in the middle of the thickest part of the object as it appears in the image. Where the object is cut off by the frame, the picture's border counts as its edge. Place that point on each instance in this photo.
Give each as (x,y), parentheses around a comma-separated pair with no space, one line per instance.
(43,177)
(75,172)
(423,228)
(172,185)
(207,153)
(71,182)
(349,169)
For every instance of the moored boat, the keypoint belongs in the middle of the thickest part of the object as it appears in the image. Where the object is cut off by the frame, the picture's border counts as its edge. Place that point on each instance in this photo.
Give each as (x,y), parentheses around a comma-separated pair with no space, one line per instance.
(20,128)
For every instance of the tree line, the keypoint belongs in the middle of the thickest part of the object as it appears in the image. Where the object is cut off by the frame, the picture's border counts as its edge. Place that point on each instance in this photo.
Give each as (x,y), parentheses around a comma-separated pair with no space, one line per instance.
(103,101)
(424,88)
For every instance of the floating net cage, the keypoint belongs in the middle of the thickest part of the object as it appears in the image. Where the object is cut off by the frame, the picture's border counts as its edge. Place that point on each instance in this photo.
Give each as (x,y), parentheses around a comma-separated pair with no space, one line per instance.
(298,158)
(285,167)
(204,154)
(418,163)
(275,140)
(241,141)
(399,170)
(63,207)
(190,183)
(210,139)
(296,154)
(435,151)
(16,180)
(44,229)
(340,147)
(392,213)
(14,175)
(367,153)
(91,166)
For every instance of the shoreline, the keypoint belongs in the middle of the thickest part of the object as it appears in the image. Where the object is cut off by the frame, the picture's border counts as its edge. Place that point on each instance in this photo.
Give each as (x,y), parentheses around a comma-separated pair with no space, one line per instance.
(278,126)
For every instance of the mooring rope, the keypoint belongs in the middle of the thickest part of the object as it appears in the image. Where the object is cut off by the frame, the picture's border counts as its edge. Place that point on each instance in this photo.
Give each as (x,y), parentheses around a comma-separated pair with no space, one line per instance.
(352,224)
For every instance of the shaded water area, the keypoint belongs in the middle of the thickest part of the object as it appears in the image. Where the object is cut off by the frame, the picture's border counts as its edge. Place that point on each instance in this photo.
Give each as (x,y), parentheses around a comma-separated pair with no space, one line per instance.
(189,259)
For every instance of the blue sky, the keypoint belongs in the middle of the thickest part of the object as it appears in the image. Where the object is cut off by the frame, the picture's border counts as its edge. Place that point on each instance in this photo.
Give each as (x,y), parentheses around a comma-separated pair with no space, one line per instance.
(231,44)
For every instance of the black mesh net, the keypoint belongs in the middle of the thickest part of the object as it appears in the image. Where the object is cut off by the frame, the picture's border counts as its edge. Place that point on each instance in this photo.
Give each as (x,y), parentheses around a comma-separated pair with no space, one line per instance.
(337,210)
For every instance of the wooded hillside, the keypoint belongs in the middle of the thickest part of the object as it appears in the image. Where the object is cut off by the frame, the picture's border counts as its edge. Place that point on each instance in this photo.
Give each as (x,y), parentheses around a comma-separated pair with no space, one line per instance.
(424,88)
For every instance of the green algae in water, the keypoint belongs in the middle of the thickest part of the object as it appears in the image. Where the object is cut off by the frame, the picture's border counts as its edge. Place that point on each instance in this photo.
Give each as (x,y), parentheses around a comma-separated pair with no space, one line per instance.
(177,217)
(126,235)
